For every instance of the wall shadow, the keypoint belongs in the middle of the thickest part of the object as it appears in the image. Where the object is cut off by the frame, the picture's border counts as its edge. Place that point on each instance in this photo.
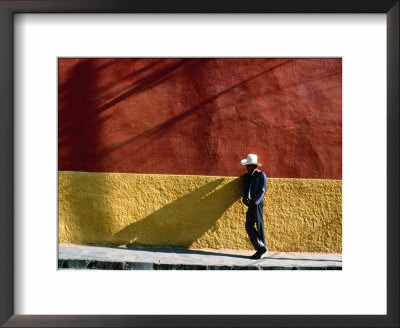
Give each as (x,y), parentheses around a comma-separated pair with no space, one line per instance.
(183,221)
(78,129)
(79,136)
(82,99)
(162,128)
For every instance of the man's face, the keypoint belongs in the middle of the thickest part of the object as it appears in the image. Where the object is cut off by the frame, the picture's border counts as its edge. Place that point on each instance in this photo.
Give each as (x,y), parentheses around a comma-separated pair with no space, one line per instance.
(251,168)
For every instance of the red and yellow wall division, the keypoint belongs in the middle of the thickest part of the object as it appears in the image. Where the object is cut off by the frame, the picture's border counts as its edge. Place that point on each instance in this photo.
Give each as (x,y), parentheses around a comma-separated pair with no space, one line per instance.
(150,150)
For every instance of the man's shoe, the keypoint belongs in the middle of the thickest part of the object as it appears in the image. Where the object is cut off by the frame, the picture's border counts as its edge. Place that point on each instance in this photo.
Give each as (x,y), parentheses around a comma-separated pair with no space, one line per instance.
(256,255)
(263,250)
(260,252)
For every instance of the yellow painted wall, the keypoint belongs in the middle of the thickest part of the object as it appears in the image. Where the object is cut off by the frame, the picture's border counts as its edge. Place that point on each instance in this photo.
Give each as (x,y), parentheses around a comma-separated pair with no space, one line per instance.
(302,215)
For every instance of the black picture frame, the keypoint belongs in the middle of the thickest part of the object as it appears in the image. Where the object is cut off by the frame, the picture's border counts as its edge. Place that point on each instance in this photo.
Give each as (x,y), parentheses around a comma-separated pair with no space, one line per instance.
(10,7)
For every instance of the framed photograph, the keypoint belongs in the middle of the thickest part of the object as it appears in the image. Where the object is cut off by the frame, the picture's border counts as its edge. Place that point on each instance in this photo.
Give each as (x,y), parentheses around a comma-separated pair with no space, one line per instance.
(36,36)
(149,163)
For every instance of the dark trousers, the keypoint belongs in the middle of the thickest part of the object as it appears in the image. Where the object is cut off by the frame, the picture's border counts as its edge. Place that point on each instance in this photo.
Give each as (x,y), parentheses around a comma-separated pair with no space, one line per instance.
(254,218)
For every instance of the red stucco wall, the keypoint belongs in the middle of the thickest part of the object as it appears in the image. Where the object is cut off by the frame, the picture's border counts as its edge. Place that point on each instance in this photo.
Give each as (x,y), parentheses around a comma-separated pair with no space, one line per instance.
(201,116)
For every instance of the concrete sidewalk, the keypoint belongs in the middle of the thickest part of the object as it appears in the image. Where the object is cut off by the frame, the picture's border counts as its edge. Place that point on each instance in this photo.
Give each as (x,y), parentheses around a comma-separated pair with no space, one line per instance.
(160,258)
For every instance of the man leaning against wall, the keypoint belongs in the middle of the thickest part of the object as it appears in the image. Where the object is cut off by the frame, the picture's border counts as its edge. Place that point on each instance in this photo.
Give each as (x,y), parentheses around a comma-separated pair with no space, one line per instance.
(254,189)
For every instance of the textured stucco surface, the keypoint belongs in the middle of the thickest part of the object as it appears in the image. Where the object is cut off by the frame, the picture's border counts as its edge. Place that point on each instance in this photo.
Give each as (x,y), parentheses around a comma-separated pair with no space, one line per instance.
(201,116)
(301,215)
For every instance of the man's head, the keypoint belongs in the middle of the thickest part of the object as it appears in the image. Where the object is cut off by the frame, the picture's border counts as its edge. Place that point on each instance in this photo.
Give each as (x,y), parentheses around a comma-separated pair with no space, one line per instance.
(251,167)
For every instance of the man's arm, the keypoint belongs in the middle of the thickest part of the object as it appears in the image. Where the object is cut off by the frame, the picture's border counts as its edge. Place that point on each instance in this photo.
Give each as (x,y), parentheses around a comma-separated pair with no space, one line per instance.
(259,196)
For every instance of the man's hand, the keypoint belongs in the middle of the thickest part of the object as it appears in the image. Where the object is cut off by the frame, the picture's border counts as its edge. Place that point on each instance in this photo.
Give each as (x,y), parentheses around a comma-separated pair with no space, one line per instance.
(251,203)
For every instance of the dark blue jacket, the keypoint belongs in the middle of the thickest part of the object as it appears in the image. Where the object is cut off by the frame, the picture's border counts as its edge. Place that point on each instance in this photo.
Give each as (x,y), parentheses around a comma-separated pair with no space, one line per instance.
(254,186)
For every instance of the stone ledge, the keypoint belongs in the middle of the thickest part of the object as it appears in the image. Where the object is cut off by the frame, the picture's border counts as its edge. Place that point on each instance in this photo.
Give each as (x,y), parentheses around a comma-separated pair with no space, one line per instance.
(156,258)
(98,265)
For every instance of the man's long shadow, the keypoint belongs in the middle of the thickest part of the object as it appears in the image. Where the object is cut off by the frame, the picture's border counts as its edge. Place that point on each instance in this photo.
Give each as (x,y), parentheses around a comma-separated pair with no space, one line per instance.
(175,250)
(185,220)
